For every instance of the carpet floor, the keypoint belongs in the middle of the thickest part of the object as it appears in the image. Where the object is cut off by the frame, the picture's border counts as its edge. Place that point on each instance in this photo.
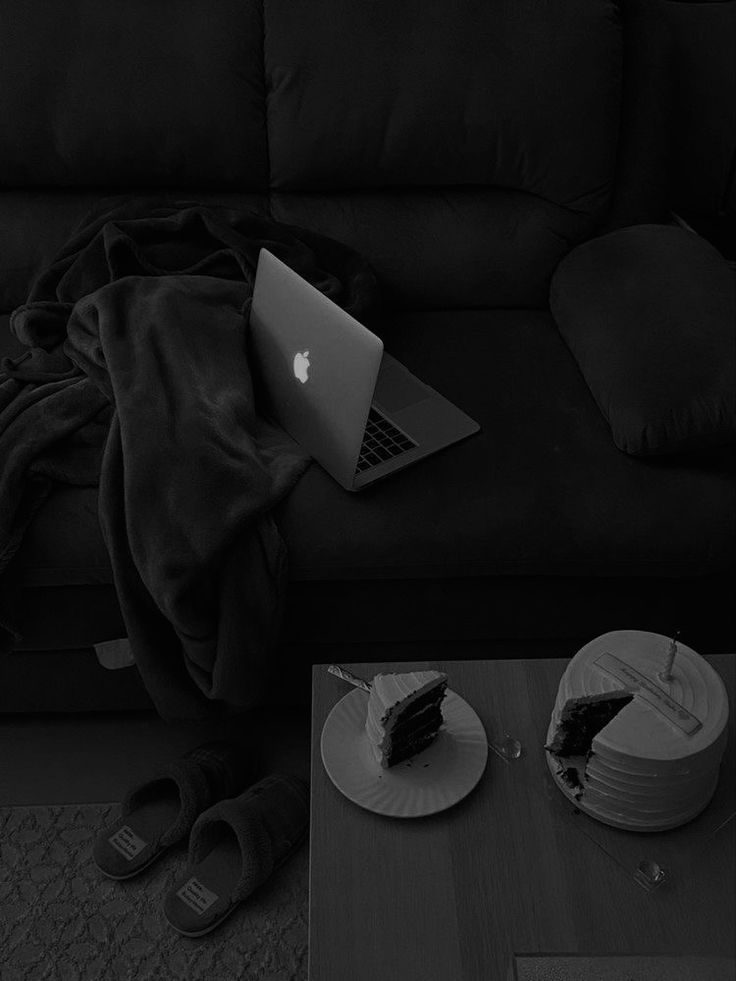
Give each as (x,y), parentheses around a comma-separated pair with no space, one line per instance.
(62,920)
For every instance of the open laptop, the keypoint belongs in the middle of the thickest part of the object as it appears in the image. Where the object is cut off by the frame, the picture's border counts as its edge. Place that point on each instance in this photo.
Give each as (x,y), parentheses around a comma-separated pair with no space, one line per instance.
(328,382)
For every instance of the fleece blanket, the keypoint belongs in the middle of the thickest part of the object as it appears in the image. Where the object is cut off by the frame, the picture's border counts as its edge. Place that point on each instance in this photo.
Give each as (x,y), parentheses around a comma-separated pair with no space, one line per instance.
(137,377)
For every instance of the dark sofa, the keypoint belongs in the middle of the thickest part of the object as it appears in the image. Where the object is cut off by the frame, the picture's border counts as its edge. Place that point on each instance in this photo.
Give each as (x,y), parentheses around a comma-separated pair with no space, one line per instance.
(464,150)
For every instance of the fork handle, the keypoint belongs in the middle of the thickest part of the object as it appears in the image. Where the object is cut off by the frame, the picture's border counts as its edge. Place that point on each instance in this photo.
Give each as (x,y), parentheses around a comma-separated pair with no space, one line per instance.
(348,676)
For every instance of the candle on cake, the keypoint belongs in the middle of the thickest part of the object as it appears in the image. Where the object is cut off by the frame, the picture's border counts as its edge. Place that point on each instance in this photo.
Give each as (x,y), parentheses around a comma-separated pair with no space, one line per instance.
(667,675)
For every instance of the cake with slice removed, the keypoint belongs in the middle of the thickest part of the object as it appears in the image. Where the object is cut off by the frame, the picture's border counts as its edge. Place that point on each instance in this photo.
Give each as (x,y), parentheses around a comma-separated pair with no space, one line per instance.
(629,748)
(404,714)
(579,722)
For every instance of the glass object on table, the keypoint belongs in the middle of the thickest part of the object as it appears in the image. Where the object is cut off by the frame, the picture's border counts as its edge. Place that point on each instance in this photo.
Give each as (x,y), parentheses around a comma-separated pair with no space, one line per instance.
(508,747)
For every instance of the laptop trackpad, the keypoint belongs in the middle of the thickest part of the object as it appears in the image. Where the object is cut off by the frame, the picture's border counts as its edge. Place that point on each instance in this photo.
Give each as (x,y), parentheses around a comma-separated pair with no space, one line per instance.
(396,387)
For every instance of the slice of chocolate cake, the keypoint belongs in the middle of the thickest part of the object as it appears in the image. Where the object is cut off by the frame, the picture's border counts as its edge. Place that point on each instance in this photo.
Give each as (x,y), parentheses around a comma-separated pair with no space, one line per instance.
(580,720)
(404,714)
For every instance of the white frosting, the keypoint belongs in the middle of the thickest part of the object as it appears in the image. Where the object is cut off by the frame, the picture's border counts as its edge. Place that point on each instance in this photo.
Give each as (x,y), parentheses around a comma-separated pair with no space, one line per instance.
(392,692)
(644,771)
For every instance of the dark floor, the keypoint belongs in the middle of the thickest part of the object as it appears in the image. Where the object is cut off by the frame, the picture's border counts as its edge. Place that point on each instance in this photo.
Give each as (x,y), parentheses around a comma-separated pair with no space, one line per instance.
(58,758)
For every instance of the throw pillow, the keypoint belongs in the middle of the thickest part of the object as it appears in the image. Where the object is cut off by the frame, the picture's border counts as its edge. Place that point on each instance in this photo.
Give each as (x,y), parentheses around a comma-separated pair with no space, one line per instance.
(649,313)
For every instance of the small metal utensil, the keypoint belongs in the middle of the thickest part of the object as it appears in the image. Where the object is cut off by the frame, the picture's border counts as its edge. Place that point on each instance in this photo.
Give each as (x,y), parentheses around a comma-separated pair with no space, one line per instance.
(348,676)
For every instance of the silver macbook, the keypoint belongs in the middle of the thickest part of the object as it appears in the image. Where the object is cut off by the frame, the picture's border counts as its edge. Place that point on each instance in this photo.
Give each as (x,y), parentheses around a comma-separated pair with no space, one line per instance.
(328,382)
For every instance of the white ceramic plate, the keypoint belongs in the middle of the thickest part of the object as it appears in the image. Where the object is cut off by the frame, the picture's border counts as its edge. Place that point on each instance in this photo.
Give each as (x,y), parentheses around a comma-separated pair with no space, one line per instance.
(433,780)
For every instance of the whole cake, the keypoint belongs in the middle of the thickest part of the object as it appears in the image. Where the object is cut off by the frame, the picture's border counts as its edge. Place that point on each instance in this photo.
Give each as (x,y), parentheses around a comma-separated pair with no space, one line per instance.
(632,749)
(404,714)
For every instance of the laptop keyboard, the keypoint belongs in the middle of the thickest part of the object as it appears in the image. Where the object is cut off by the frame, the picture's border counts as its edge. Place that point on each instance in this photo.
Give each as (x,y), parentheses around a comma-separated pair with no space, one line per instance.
(381,442)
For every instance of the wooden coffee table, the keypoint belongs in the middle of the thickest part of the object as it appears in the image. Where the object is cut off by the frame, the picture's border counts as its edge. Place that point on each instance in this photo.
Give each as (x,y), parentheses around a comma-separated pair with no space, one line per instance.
(511,868)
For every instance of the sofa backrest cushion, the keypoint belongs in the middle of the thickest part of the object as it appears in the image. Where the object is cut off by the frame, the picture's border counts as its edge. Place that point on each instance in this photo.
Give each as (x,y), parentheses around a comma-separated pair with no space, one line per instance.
(521,94)
(464,148)
(132,94)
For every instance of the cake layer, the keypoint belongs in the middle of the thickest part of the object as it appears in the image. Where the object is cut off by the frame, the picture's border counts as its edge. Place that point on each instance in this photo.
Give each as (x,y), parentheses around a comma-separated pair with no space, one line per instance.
(424,724)
(652,810)
(639,731)
(651,797)
(619,814)
(644,797)
(581,718)
(599,765)
(402,708)
(421,706)
(426,721)
(649,772)
(390,692)
(655,764)
(416,745)
(416,719)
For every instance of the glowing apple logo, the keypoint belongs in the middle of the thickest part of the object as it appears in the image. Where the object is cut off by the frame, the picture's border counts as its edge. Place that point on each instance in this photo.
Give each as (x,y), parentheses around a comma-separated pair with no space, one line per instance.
(301,366)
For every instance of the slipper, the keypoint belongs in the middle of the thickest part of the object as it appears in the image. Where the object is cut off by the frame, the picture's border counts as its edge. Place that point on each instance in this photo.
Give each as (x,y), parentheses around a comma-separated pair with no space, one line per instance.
(161,812)
(234,847)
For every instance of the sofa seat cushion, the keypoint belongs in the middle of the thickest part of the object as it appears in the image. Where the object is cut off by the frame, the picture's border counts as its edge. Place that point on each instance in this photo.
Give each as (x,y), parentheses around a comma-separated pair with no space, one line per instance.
(464,247)
(540,491)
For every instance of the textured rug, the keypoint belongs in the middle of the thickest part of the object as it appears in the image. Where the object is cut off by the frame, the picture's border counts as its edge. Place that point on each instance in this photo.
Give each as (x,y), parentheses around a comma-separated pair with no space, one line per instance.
(62,920)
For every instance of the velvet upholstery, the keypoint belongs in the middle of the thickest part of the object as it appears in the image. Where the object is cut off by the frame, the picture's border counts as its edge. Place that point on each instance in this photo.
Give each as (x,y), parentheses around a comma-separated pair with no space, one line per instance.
(37,223)
(649,313)
(251,95)
(504,616)
(164,94)
(541,490)
(703,101)
(466,247)
(641,190)
(464,151)
(139,332)
(383,113)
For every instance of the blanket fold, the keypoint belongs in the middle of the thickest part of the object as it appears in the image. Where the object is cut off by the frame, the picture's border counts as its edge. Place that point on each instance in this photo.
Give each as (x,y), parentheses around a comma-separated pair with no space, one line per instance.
(138,378)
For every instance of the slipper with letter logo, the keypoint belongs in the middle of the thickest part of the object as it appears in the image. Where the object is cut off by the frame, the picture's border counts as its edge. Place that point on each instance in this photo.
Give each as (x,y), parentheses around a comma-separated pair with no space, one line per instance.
(161,812)
(234,847)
